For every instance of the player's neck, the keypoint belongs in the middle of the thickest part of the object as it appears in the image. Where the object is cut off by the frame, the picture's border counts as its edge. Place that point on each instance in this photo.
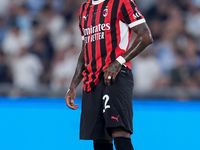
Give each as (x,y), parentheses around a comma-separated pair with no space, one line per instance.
(95,2)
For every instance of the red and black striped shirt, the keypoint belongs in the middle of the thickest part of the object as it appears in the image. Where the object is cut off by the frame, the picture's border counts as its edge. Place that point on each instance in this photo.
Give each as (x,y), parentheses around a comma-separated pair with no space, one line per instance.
(105,26)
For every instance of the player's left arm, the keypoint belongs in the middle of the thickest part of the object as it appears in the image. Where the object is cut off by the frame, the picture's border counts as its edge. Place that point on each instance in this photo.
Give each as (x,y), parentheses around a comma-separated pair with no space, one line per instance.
(143,39)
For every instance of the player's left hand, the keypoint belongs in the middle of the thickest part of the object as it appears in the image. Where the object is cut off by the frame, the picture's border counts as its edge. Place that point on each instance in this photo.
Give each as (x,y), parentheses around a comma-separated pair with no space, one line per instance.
(111,72)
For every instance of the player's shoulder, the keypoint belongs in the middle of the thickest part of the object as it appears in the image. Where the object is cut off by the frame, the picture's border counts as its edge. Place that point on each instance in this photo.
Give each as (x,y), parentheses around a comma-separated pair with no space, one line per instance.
(84,4)
(128,1)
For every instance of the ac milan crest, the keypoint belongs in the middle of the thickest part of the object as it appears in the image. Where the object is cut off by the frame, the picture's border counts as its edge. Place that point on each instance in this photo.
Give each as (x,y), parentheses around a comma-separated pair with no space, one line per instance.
(105,11)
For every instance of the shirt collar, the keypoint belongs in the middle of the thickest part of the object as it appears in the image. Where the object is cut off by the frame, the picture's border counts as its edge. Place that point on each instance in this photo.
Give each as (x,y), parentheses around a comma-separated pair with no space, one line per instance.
(97,2)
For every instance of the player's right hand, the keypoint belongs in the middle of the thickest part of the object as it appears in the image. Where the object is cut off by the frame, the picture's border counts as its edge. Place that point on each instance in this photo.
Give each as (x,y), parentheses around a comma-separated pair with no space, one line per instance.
(69,99)
(112,70)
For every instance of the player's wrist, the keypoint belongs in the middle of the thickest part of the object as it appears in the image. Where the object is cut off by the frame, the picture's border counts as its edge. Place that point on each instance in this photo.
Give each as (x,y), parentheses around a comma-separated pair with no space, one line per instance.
(121,60)
(70,89)
(72,86)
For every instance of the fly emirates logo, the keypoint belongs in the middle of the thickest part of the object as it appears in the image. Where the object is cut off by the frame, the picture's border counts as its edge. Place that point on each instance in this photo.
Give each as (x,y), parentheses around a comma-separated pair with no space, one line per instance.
(95,32)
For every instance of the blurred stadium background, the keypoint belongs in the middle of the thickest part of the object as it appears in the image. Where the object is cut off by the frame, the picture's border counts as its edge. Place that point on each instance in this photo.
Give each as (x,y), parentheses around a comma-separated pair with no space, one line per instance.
(40,41)
(39,45)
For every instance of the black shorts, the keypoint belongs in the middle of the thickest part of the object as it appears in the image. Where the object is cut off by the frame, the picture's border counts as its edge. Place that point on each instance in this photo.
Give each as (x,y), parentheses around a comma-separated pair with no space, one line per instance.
(107,107)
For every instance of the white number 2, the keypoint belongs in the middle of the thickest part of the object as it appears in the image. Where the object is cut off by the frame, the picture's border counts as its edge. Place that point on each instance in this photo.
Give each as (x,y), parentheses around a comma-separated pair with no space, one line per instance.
(106,99)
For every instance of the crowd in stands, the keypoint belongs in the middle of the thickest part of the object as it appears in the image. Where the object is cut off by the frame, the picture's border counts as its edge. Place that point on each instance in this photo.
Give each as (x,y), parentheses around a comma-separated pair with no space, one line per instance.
(173,60)
(40,42)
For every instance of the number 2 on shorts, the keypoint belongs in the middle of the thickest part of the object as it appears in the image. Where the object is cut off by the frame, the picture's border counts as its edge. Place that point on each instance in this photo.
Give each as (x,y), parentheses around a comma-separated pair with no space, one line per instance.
(106,99)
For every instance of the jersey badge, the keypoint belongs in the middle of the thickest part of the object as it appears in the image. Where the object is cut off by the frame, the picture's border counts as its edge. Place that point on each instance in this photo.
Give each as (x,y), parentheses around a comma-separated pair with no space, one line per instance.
(105,11)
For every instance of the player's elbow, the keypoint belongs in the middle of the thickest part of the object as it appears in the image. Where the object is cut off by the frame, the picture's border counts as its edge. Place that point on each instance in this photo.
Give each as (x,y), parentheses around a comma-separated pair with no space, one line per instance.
(146,38)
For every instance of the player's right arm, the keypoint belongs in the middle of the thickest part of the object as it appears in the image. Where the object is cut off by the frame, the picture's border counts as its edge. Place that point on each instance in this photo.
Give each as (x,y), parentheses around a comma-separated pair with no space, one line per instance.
(71,93)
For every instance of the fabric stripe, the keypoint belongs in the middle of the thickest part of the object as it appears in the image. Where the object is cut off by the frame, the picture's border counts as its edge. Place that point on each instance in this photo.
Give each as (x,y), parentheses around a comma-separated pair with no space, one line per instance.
(93,62)
(117,22)
(84,7)
(89,49)
(130,11)
(103,42)
(126,19)
(98,50)
(86,46)
(81,11)
(108,36)
(113,28)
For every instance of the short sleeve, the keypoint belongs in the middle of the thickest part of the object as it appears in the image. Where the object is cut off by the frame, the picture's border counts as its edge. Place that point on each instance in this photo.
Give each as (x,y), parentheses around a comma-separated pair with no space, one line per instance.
(130,13)
(80,28)
(80,18)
